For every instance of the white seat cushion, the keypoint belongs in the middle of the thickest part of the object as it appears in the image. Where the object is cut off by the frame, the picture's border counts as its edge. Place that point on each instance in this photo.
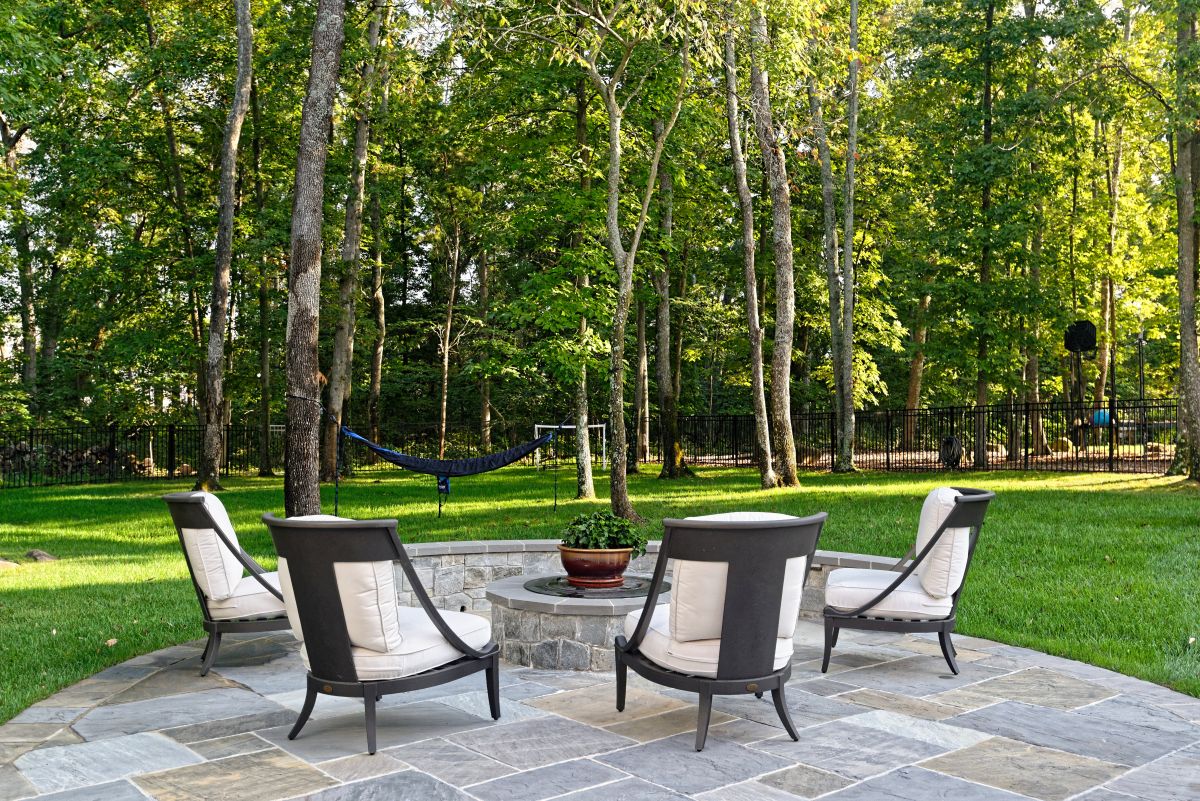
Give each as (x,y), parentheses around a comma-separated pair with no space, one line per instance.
(215,567)
(250,600)
(695,657)
(698,589)
(422,646)
(942,571)
(848,588)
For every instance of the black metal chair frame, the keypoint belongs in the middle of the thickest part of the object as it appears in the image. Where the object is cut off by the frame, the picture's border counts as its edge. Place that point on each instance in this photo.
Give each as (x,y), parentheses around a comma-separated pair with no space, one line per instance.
(968,512)
(188,511)
(757,553)
(311,547)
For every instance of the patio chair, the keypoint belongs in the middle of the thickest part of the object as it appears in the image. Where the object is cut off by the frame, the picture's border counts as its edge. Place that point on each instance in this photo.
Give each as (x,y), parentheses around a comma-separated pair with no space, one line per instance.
(229,601)
(735,599)
(339,587)
(924,597)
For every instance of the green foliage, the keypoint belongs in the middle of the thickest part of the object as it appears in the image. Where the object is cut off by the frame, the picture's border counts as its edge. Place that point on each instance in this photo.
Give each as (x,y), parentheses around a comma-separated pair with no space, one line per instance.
(604,530)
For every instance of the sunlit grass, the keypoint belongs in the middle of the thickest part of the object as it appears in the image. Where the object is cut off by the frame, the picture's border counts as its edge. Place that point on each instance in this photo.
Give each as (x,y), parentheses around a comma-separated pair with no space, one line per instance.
(1102,568)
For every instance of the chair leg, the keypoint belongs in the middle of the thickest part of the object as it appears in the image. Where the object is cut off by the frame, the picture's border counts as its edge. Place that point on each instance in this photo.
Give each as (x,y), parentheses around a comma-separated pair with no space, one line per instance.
(781,707)
(830,640)
(310,700)
(493,686)
(210,652)
(369,700)
(622,675)
(702,720)
(948,650)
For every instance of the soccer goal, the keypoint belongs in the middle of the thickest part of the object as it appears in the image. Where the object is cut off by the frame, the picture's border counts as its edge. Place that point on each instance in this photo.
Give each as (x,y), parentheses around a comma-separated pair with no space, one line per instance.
(540,428)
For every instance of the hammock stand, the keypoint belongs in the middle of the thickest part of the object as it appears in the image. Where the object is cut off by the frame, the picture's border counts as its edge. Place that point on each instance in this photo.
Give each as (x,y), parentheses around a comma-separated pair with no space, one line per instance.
(443,469)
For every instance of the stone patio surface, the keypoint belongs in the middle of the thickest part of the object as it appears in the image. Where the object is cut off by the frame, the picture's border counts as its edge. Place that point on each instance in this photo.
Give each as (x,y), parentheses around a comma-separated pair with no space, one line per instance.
(887,722)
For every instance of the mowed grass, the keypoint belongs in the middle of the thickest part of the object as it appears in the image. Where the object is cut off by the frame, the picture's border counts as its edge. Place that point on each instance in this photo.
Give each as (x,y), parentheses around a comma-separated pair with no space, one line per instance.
(1100,568)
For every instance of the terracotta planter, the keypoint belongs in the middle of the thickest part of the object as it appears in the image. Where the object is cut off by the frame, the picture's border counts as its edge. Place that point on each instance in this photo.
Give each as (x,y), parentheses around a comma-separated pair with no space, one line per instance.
(589,568)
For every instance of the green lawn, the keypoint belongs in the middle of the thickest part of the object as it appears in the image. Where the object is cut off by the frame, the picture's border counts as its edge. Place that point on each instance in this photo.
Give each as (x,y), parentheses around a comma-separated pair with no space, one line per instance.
(1100,568)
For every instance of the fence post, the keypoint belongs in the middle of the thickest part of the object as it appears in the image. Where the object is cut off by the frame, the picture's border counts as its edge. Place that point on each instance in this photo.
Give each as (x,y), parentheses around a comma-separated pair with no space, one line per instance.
(1025,458)
(832,441)
(1112,428)
(887,435)
(112,452)
(29,459)
(171,450)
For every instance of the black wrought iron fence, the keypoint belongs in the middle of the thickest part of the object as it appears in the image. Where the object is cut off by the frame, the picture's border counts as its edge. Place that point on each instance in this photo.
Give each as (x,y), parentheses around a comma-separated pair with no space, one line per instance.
(1125,437)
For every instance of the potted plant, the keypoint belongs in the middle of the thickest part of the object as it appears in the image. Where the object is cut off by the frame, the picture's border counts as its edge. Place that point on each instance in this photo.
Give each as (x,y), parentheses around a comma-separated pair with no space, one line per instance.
(596,549)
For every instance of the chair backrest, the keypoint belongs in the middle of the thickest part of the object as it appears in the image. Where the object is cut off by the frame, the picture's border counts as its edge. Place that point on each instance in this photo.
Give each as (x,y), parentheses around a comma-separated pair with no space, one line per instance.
(209,542)
(338,583)
(960,513)
(744,570)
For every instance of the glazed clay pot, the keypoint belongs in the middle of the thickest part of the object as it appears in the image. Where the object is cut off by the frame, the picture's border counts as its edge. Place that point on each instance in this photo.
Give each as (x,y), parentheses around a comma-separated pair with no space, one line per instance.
(589,568)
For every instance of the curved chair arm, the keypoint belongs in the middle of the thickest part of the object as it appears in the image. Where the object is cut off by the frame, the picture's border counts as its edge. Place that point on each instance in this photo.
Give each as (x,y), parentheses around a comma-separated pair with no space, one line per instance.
(246,560)
(967,496)
(435,616)
(903,560)
(656,582)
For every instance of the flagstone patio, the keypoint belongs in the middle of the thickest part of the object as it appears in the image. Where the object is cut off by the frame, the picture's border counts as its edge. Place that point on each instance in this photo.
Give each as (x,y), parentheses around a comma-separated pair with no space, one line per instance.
(887,722)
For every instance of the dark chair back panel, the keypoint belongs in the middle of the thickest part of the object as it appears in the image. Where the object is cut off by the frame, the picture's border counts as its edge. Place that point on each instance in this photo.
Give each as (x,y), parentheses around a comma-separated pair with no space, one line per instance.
(757,553)
(311,547)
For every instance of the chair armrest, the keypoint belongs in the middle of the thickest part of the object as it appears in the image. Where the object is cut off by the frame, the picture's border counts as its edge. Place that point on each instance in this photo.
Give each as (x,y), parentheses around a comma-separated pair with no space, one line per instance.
(907,571)
(435,616)
(656,582)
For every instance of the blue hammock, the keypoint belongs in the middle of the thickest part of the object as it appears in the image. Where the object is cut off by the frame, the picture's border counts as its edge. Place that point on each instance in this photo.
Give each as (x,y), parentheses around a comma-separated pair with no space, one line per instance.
(452,468)
(444,469)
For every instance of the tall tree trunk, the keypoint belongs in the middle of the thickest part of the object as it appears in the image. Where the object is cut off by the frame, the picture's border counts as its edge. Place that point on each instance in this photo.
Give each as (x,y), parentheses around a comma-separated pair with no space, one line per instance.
(668,399)
(341,367)
(485,384)
(833,277)
(916,371)
(1187,183)
(624,260)
(1039,446)
(218,316)
(10,139)
(781,238)
(301,486)
(758,397)
(584,485)
(985,261)
(378,313)
(454,249)
(641,391)
(264,299)
(845,416)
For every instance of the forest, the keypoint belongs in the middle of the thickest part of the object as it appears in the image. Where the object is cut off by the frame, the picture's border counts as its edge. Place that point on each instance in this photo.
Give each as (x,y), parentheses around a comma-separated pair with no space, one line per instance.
(485,214)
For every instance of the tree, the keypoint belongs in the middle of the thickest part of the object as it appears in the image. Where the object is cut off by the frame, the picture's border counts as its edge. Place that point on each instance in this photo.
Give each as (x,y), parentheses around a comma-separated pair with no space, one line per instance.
(214,365)
(343,338)
(762,432)
(781,240)
(1187,181)
(301,481)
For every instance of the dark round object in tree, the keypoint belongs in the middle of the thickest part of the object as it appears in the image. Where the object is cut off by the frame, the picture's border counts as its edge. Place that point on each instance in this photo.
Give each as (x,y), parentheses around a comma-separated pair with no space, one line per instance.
(951,451)
(1080,337)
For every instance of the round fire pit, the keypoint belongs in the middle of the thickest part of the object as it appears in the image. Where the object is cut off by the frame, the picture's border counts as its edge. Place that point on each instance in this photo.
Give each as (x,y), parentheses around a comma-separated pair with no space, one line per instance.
(560,627)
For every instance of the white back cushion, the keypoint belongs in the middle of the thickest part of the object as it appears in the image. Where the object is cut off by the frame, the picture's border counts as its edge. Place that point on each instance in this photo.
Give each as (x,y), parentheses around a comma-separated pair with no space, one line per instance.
(942,571)
(216,568)
(368,595)
(698,589)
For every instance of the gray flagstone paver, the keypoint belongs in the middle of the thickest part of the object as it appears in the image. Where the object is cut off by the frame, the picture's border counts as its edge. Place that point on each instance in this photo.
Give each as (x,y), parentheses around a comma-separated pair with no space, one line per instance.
(855,752)
(1073,732)
(552,780)
(916,784)
(627,790)
(534,743)
(112,791)
(408,785)
(170,711)
(674,763)
(66,767)
(262,776)
(1175,777)
(449,762)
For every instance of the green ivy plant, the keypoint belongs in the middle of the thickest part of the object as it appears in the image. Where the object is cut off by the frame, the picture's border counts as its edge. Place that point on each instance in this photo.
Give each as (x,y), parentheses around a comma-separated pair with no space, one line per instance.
(603,530)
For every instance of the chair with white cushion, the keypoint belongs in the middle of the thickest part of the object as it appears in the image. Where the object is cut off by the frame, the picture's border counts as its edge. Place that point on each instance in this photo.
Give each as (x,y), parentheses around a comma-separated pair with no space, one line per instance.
(339,586)
(924,597)
(229,600)
(735,598)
